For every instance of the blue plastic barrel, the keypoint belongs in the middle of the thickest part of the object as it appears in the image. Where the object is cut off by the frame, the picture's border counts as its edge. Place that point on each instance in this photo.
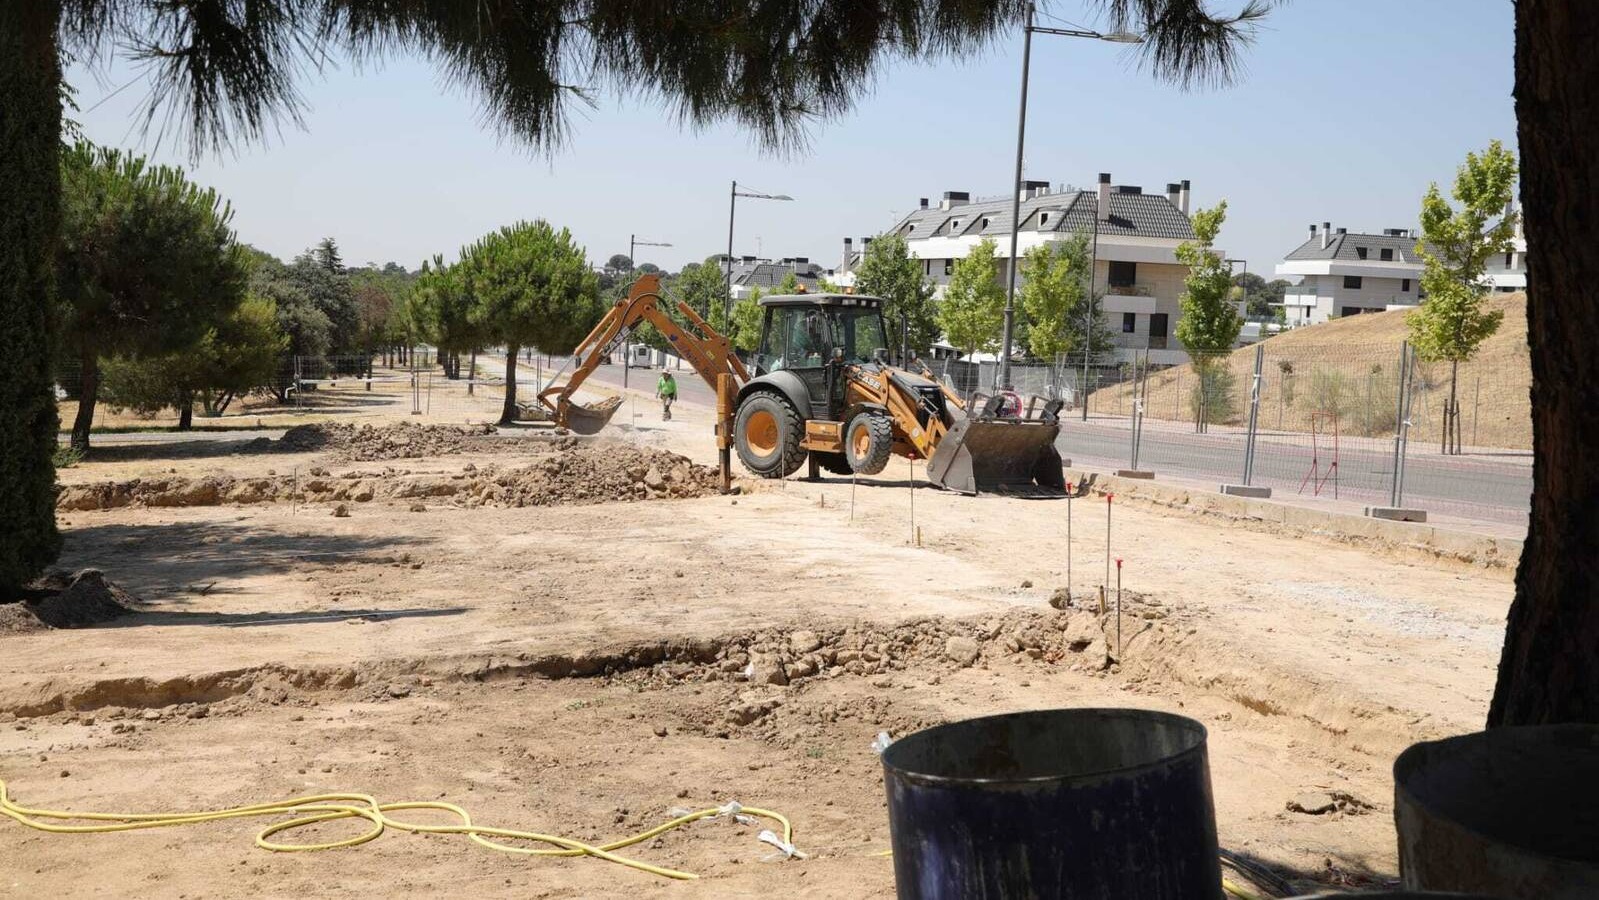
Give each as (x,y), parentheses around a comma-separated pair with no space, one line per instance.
(1076,804)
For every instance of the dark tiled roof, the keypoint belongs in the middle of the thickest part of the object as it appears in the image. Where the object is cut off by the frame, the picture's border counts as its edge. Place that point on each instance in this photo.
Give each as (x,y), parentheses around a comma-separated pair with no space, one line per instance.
(771,275)
(1344,247)
(1144,215)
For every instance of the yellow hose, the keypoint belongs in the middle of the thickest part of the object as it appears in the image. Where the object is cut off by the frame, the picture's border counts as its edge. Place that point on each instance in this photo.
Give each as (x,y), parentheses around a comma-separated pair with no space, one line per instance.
(316,808)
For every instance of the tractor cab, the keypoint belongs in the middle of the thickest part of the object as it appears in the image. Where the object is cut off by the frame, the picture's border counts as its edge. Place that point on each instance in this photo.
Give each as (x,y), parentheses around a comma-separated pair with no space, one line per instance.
(806,331)
(814,337)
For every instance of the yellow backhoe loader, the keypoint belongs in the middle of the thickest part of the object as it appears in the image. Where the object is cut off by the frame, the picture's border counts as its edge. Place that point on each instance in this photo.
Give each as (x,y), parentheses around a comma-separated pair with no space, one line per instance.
(820,389)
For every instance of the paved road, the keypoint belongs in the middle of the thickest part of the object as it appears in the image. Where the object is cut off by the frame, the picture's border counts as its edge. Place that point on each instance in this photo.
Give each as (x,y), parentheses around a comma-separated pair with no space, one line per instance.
(1489,488)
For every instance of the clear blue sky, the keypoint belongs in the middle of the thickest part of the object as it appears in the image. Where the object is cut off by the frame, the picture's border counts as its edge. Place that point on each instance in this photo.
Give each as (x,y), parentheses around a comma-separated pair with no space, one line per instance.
(1345,113)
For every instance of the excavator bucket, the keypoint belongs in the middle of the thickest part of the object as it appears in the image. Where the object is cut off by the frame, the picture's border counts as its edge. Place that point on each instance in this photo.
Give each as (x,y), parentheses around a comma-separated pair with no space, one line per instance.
(999,456)
(587,419)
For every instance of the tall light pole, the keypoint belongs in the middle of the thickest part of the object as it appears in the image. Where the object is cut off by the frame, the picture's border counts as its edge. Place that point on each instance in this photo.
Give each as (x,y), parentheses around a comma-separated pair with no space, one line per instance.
(1117,37)
(633,243)
(732,207)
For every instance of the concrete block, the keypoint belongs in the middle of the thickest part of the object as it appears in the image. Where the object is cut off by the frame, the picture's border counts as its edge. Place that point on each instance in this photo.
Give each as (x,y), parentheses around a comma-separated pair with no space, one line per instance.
(1397,513)
(1247,490)
(1134,473)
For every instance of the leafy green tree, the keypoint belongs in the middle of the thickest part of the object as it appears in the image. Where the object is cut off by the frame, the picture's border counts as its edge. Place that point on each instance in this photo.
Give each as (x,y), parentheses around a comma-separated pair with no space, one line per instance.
(320,275)
(148,263)
(789,284)
(619,263)
(703,287)
(531,286)
(442,310)
(1209,322)
(973,310)
(228,71)
(1057,301)
(747,318)
(1455,247)
(239,355)
(890,272)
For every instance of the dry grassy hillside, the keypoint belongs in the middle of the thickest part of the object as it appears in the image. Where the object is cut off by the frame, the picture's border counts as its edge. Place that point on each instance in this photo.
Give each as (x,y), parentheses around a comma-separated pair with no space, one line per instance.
(1347,370)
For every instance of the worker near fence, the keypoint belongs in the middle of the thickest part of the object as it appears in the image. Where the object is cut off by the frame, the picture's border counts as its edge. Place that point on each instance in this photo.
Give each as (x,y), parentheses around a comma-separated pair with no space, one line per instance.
(666,392)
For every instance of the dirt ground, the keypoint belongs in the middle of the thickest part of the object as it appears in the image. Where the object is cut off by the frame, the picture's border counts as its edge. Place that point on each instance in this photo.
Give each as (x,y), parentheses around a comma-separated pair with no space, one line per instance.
(585,668)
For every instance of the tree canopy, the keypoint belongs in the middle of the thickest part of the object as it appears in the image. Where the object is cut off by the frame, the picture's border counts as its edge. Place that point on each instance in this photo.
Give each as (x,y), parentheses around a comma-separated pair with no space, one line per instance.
(1058,299)
(147,263)
(973,309)
(889,271)
(1455,247)
(1210,323)
(529,286)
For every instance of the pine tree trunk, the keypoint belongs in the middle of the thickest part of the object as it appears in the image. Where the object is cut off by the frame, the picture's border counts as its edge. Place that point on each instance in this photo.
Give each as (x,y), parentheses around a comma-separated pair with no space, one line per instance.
(1549,671)
(88,396)
(471,374)
(30,220)
(186,411)
(508,412)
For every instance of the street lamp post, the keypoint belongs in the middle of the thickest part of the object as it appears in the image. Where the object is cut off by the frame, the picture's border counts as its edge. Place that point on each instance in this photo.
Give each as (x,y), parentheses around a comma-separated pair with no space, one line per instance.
(1116,37)
(633,243)
(732,207)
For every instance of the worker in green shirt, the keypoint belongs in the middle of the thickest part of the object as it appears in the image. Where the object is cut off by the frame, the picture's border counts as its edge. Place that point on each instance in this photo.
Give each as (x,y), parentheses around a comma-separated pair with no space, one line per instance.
(666,390)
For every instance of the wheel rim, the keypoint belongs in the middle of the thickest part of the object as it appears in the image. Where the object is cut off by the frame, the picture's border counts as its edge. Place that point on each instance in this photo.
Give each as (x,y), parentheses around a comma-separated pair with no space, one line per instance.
(861,441)
(760,432)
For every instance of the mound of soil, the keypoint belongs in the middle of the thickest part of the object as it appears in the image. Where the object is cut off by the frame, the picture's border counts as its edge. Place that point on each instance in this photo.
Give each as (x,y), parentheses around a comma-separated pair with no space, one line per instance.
(368,443)
(561,472)
(62,600)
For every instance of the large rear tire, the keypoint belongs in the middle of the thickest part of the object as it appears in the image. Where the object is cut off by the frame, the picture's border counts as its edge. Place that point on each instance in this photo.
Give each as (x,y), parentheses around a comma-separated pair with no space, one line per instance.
(868,441)
(767,433)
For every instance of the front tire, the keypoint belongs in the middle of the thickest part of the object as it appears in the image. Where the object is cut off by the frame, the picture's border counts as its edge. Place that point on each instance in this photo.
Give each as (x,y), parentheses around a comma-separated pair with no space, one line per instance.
(767,433)
(868,441)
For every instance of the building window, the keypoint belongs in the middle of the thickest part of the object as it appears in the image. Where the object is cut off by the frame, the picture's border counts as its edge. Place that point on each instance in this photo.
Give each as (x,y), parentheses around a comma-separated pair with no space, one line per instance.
(1351,311)
(1387,254)
(1352,282)
(1404,285)
(954,225)
(1157,331)
(1510,260)
(1129,323)
(1360,252)
(985,223)
(1122,274)
(1043,219)
(927,267)
(949,267)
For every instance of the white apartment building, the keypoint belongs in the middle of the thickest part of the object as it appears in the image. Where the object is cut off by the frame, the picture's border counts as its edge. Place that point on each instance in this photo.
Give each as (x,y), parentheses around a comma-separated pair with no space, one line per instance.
(1135,234)
(1346,274)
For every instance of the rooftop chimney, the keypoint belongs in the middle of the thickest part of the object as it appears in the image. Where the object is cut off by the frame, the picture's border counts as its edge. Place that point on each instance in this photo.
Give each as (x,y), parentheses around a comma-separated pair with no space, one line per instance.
(1104,196)
(849,247)
(924,203)
(1312,231)
(953,199)
(1343,231)
(1182,198)
(1326,234)
(1031,189)
(1174,193)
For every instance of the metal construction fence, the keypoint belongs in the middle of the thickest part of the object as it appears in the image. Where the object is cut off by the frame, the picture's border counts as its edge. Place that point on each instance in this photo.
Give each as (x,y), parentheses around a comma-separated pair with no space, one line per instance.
(1362,423)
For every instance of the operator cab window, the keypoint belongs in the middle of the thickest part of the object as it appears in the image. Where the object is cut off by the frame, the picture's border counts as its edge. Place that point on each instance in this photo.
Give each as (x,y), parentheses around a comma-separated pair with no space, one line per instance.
(798,338)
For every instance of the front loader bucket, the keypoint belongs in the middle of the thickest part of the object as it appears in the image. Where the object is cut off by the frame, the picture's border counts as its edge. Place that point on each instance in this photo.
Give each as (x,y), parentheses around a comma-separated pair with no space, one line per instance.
(1001,456)
(587,419)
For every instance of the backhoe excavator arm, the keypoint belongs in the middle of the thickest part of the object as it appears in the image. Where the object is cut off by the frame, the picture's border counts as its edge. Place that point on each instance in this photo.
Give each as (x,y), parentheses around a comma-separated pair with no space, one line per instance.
(708,352)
